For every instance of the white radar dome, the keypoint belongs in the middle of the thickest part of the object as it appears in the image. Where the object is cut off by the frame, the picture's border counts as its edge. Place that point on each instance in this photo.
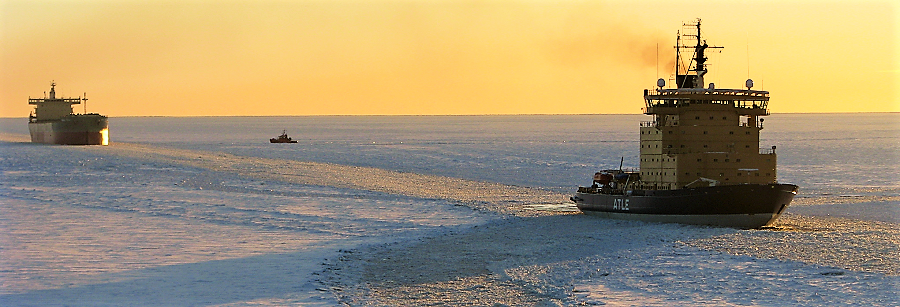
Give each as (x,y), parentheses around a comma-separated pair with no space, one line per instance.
(660,82)
(749,83)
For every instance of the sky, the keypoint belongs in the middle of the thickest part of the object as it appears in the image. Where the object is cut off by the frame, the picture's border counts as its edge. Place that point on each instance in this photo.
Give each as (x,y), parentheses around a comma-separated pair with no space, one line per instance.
(421,57)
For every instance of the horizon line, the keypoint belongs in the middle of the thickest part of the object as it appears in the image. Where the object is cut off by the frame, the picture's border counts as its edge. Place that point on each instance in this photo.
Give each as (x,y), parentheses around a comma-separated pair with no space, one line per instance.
(486,114)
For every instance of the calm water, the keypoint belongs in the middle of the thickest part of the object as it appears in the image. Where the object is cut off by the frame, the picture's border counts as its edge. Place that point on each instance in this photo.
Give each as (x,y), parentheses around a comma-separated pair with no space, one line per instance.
(840,155)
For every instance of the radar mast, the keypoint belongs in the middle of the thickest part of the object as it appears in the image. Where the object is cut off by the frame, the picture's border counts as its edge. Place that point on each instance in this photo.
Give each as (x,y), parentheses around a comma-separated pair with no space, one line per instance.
(692,76)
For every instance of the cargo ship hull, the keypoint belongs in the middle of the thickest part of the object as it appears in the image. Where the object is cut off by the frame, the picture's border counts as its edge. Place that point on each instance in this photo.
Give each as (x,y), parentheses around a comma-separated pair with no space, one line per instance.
(740,206)
(88,129)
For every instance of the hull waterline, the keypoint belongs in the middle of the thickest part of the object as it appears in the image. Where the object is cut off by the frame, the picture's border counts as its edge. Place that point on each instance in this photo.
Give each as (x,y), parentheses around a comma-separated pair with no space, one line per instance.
(739,206)
(71,131)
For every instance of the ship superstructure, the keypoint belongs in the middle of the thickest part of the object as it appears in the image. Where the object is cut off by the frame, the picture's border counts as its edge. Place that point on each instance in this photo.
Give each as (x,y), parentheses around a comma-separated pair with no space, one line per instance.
(54,122)
(700,161)
(703,136)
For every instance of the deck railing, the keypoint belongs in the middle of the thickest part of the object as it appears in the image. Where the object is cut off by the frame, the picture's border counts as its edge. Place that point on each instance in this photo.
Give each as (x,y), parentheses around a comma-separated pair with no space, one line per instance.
(746,99)
(64,100)
(750,94)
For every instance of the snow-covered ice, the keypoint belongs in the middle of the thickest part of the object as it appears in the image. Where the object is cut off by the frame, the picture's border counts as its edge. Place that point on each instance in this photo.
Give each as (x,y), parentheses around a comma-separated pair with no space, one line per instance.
(434,220)
(99,228)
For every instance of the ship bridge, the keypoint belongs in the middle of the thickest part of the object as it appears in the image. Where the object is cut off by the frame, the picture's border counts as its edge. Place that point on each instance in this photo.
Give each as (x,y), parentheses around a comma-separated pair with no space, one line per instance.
(52,107)
(671,101)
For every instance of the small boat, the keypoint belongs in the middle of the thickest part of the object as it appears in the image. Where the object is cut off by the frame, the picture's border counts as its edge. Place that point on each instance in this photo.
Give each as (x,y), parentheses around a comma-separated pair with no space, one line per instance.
(283,138)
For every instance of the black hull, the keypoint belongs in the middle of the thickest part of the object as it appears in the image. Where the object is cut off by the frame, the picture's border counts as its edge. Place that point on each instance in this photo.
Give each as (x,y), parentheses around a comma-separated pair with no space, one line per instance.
(740,206)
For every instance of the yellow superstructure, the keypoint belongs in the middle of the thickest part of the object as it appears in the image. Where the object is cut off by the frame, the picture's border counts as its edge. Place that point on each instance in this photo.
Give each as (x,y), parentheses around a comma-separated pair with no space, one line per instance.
(703,136)
(52,108)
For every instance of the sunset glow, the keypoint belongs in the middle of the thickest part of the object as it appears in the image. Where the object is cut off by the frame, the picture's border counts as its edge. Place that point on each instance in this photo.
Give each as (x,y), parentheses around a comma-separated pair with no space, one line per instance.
(209,58)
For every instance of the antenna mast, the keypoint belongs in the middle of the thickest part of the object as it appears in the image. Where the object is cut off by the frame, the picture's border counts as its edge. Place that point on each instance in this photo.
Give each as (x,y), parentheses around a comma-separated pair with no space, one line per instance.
(748,60)
(698,62)
(677,57)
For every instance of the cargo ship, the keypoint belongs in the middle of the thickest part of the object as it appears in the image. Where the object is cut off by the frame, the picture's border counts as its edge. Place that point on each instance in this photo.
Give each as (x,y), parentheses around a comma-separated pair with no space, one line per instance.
(700,160)
(54,122)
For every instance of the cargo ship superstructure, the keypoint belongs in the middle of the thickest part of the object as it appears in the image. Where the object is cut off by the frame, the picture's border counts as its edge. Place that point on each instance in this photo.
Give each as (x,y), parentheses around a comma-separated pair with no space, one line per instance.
(54,122)
(700,161)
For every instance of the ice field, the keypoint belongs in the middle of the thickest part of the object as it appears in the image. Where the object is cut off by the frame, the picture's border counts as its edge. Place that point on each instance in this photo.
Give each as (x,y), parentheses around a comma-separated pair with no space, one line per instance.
(416,211)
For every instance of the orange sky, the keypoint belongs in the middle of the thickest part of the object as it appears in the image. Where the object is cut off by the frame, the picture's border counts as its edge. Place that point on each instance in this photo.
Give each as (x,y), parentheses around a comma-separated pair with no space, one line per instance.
(268,57)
